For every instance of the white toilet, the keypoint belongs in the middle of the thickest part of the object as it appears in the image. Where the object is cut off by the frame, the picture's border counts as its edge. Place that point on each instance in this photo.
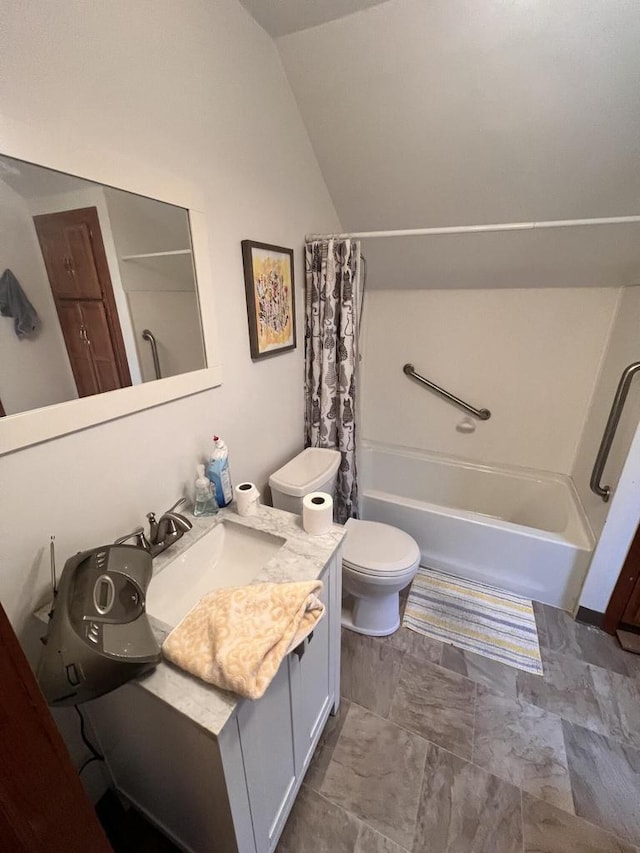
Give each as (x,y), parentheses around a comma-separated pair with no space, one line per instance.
(378,560)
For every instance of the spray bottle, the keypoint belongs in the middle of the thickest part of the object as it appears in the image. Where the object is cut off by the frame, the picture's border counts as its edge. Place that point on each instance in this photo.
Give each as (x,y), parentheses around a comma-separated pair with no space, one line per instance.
(218,472)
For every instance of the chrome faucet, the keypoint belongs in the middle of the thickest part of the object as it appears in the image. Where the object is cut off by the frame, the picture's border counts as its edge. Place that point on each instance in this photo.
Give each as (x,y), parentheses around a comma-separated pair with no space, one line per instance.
(163,533)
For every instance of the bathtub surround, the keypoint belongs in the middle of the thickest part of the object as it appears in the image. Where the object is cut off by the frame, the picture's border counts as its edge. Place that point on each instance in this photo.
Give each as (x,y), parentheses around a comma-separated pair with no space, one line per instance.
(501,774)
(530,356)
(546,362)
(518,530)
(332,306)
(474,617)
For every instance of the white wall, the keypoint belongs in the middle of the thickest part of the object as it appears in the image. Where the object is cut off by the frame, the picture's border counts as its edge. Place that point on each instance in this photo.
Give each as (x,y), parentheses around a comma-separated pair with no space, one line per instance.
(530,356)
(161,291)
(141,225)
(34,372)
(195,88)
(614,522)
(623,348)
(617,534)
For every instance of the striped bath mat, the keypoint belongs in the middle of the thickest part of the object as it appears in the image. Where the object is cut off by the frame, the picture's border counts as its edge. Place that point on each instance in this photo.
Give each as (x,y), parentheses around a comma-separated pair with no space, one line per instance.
(474,617)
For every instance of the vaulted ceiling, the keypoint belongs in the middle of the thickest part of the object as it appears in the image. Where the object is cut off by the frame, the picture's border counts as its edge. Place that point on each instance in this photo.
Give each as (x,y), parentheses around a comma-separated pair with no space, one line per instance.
(279,17)
(455,112)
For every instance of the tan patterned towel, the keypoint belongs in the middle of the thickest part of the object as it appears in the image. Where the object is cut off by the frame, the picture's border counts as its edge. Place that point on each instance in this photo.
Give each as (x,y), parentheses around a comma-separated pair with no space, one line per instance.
(237,638)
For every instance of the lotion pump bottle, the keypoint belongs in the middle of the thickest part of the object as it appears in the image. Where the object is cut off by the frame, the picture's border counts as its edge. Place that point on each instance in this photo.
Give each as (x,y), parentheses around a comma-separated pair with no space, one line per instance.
(205,502)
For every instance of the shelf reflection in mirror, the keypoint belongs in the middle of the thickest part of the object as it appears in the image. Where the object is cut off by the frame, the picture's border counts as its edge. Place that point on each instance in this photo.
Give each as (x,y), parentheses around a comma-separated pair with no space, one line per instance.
(100,266)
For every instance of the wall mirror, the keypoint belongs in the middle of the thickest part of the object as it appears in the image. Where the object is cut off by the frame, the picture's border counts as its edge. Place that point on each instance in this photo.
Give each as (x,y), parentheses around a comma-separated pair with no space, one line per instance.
(100,287)
(104,274)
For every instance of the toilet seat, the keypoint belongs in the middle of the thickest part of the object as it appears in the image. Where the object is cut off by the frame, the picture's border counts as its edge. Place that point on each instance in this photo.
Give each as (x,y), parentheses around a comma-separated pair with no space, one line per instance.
(379,550)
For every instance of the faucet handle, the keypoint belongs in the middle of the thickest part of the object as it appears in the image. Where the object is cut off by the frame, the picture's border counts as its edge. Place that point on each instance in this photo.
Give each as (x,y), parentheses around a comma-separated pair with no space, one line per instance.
(176,522)
(138,535)
(172,527)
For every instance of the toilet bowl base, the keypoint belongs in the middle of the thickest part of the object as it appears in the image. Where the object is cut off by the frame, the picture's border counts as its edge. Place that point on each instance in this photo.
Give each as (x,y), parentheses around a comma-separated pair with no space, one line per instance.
(373,617)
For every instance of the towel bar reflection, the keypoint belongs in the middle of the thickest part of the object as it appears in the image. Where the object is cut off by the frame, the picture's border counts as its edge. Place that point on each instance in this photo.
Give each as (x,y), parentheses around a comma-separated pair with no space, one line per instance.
(149,336)
(482,414)
(610,431)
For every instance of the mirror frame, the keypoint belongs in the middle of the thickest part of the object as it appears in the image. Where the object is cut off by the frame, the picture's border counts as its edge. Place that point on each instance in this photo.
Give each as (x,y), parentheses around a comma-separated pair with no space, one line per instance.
(50,148)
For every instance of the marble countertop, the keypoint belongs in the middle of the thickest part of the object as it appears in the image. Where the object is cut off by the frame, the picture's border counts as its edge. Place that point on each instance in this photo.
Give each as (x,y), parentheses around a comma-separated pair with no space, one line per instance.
(302,557)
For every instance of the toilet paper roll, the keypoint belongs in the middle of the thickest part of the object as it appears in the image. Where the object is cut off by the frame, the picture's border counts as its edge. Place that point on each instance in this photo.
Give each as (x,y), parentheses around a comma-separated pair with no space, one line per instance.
(247,498)
(317,513)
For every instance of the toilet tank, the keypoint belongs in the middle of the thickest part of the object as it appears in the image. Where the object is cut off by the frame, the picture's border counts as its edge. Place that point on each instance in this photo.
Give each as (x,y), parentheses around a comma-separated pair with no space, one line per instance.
(313,470)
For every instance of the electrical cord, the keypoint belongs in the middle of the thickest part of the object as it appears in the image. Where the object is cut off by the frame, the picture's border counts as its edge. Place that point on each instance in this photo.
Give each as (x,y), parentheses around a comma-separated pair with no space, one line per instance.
(87,762)
(95,754)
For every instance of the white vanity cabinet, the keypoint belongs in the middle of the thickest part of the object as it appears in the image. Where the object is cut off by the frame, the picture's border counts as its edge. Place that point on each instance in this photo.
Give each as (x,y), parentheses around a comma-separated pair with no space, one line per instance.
(231,792)
(279,733)
(312,694)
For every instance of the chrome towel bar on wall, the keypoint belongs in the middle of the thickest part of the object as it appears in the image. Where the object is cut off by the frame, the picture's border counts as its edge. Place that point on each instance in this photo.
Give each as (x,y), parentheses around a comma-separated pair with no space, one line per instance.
(610,431)
(149,336)
(482,414)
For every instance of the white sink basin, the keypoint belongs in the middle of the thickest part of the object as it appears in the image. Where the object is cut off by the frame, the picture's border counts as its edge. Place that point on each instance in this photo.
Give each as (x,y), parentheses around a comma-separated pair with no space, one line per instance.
(229,555)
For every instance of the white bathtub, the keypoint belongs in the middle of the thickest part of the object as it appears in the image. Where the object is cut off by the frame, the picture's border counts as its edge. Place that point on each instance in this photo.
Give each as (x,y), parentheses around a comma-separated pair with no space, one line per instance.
(521,530)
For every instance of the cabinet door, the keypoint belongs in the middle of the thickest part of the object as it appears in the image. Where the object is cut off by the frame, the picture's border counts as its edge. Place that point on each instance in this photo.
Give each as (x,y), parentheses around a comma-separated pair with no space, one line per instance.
(77,268)
(66,243)
(266,739)
(72,325)
(311,686)
(100,345)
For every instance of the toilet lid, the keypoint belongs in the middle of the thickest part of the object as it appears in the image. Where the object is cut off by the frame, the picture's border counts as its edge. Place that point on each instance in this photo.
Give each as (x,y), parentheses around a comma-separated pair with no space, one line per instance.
(375,548)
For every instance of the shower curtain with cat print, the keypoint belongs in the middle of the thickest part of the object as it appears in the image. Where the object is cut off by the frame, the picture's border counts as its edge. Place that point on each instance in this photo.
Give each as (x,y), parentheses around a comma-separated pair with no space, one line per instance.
(331,359)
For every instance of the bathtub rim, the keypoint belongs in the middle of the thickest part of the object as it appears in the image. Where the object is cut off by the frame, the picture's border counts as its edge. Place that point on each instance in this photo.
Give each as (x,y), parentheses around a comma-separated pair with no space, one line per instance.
(477,518)
(578,517)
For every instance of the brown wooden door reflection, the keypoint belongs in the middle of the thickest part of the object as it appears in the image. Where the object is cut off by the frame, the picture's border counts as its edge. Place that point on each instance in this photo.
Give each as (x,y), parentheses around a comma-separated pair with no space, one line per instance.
(43,806)
(86,332)
(71,323)
(99,343)
(66,240)
(76,263)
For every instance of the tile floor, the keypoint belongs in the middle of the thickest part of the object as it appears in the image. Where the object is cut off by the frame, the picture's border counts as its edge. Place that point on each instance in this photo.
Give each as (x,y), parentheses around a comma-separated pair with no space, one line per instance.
(436,750)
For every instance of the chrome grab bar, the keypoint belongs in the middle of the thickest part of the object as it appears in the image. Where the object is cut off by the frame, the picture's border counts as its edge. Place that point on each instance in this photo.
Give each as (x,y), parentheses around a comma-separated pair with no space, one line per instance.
(610,431)
(483,414)
(149,336)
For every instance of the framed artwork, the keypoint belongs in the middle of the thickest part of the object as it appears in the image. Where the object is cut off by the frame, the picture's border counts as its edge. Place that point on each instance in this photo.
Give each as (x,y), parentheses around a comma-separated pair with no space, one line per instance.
(271,309)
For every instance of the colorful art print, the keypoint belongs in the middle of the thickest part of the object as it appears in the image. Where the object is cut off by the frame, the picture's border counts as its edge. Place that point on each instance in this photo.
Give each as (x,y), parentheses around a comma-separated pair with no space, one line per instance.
(269,285)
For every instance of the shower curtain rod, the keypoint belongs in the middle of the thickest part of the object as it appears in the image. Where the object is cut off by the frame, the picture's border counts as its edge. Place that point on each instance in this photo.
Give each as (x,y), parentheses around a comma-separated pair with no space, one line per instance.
(477,229)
